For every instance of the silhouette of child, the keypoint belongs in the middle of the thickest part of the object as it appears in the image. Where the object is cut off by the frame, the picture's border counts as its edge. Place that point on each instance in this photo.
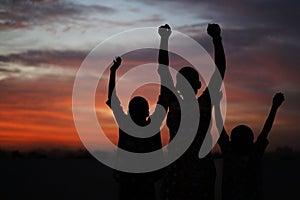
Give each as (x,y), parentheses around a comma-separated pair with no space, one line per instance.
(242,157)
(190,177)
(135,185)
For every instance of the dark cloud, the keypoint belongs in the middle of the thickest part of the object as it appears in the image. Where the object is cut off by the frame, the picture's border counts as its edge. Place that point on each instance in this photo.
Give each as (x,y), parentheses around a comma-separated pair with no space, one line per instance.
(274,19)
(261,39)
(246,10)
(19,13)
(69,58)
(153,18)
(9,70)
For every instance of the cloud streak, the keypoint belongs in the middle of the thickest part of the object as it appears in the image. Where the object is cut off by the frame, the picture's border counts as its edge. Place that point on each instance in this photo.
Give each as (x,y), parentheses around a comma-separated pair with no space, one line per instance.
(67,58)
(21,14)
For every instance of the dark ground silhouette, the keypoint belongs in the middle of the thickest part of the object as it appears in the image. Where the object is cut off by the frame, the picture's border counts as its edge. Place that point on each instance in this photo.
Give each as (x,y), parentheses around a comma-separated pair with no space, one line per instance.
(86,178)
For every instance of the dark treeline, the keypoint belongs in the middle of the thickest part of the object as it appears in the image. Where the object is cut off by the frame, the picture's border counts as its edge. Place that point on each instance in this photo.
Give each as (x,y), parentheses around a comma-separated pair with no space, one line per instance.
(46,154)
(283,153)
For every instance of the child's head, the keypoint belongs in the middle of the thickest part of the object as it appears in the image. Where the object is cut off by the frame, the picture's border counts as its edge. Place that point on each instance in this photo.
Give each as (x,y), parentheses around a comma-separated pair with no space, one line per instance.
(242,138)
(191,75)
(138,109)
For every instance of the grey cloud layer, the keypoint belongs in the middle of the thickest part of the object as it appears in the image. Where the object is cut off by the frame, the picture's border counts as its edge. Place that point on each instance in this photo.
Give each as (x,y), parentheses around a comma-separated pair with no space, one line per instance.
(25,13)
(39,57)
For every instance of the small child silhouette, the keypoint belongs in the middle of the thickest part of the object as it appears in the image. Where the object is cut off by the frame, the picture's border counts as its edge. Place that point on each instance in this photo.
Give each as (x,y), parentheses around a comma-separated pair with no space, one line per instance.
(135,186)
(242,157)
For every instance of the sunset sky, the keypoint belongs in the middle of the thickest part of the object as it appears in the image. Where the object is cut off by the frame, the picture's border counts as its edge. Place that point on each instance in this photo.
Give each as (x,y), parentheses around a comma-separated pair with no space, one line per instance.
(43,43)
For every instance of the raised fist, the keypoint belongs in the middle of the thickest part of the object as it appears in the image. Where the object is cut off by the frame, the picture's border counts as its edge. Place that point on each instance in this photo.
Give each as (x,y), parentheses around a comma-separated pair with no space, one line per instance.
(278,99)
(117,63)
(214,30)
(164,31)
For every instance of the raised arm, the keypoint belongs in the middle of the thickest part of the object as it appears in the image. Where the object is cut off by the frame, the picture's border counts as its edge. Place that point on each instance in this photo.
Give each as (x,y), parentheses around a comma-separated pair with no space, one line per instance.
(214,31)
(113,101)
(164,33)
(112,79)
(277,101)
(166,80)
(163,59)
(218,116)
(223,140)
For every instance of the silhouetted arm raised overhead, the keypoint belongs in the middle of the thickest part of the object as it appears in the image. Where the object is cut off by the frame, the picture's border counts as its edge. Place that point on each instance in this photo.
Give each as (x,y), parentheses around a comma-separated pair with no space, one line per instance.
(216,103)
(164,73)
(215,83)
(214,31)
(223,140)
(163,58)
(277,101)
(113,101)
(112,79)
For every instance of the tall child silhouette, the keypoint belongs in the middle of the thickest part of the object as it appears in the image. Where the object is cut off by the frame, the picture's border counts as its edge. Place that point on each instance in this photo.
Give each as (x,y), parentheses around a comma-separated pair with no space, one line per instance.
(191,177)
(242,157)
(135,186)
